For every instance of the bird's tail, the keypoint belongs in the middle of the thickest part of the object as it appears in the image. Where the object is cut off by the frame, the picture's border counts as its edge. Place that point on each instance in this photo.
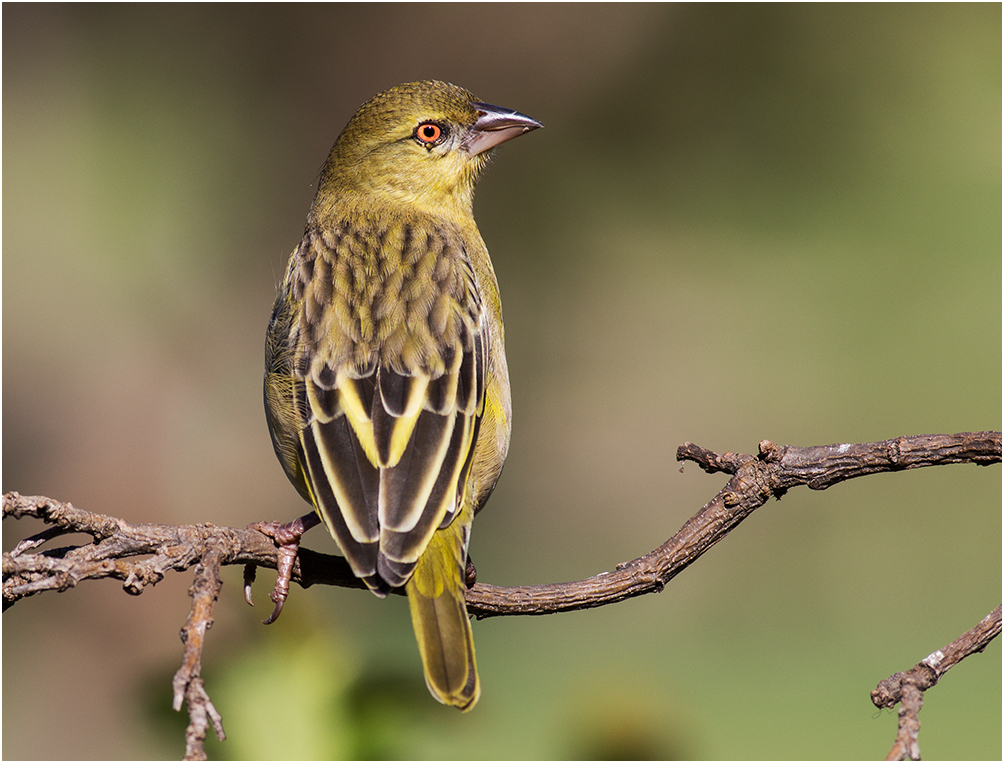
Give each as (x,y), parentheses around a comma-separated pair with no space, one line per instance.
(440,619)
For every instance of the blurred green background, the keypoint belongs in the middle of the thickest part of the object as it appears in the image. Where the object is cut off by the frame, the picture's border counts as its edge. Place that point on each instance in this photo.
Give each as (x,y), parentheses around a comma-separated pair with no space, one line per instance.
(740,222)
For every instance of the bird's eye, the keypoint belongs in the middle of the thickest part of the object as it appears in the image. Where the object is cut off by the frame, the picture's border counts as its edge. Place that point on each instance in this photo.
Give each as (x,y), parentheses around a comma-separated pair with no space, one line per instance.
(430,134)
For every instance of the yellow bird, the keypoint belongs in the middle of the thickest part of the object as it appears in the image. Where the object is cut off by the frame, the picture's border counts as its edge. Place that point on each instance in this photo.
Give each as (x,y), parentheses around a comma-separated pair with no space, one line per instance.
(386,387)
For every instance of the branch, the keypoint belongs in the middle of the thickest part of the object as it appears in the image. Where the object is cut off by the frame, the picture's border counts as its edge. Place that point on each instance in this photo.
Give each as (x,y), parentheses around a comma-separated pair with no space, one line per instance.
(187,681)
(908,687)
(140,555)
(775,470)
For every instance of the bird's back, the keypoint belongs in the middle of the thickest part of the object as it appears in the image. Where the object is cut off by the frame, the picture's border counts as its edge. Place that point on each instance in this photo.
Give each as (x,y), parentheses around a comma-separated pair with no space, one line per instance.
(386,337)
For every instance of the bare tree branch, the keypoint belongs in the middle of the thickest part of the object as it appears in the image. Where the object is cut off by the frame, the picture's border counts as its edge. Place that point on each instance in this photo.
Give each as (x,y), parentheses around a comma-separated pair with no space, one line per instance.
(187,683)
(141,554)
(908,687)
(772,472)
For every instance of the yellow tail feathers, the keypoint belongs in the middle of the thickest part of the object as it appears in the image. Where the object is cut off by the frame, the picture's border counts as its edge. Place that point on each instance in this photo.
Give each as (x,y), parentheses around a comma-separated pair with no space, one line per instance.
(440,619)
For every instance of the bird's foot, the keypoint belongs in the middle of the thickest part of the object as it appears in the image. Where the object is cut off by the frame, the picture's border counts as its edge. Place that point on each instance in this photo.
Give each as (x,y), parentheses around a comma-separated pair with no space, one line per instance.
(287,539)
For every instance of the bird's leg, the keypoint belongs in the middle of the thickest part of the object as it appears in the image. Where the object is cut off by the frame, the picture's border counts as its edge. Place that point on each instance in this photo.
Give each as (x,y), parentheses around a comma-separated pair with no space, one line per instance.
(470,574)
(287,539)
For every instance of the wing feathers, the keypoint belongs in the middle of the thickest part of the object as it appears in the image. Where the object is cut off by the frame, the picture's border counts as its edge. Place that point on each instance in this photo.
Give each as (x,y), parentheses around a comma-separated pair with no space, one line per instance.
(389,383)
(360,553)
(394,413)
(353,481)
(388,456)
(405,487)
(441,394)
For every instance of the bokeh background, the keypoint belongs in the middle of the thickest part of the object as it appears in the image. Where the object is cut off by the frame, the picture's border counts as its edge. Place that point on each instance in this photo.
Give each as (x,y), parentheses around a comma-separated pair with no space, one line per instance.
(739,223)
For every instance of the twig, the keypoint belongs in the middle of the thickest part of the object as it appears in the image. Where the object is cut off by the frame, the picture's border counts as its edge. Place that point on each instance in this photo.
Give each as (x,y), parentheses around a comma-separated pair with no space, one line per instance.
(908,687)
(775,470)
(187,683)
(116,545)
(39,539)
(754,479)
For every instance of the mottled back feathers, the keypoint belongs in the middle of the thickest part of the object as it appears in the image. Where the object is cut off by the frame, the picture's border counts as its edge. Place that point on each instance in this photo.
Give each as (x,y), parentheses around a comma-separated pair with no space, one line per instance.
(387,350)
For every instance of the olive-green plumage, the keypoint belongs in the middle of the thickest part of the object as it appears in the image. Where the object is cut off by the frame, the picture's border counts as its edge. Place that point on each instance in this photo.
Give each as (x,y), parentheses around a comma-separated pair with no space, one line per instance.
(386,387)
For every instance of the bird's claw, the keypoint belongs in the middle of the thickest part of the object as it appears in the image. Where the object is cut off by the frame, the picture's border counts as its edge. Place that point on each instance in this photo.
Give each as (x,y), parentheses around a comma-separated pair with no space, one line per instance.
(277,610)
(249,577)
(287,539)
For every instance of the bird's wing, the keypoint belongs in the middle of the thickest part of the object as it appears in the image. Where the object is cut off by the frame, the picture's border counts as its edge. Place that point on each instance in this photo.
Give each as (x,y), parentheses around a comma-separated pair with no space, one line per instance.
(389,382)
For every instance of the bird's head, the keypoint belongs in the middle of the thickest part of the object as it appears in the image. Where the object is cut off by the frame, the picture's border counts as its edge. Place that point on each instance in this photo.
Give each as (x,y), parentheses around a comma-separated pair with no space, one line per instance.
(421,143)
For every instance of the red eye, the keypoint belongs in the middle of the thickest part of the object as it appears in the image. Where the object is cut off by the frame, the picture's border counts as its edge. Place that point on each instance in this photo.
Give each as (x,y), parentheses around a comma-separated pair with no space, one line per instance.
(429,133)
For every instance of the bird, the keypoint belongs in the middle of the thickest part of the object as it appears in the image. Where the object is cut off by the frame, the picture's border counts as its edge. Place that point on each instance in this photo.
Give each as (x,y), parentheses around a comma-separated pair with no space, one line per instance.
(387,390)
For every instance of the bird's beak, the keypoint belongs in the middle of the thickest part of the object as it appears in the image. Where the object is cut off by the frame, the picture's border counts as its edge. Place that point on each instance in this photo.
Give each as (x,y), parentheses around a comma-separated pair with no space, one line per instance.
(496,125)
